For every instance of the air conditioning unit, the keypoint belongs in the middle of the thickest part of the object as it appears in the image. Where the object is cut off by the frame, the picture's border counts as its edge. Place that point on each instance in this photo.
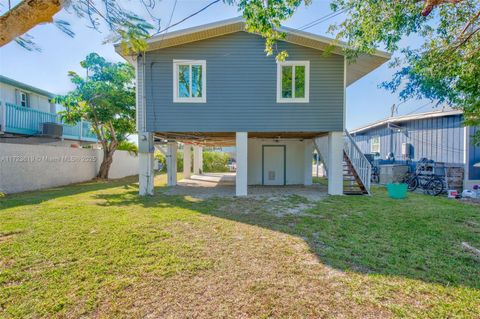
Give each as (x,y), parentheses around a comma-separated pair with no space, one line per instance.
(51,129)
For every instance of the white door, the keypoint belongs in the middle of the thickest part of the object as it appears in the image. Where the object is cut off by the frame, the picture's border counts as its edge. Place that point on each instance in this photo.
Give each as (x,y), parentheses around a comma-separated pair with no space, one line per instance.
(274,165)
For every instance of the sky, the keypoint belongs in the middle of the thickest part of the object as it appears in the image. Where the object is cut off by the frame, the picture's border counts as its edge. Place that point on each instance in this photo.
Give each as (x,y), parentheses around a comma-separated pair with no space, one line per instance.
(48,69)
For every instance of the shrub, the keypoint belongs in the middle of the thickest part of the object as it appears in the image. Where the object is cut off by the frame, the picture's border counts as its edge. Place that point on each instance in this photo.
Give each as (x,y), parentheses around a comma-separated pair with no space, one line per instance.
(128,146)
(163,161)
(212,161)
(215,161)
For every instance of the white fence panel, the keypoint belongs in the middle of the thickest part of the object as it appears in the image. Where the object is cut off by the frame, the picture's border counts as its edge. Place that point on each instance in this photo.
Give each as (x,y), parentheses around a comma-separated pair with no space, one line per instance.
(31,167)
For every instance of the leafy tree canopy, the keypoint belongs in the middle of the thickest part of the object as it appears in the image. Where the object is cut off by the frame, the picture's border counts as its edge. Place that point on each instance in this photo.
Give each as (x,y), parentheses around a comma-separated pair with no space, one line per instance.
(444,68)
(106,98)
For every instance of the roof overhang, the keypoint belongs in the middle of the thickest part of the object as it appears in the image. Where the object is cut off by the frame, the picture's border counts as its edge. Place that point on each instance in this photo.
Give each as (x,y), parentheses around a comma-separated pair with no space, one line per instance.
(26,87)
(406,118)
(363,65)
(228,138)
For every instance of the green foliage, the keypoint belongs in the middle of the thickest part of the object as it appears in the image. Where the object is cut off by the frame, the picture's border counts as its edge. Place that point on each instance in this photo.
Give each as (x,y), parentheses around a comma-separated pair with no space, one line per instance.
(212,161)
(445,68)
(265,16)
(106,98)
(128,146)
(95,249)
(215,162)
(163,161)
(127,28)
(180,161)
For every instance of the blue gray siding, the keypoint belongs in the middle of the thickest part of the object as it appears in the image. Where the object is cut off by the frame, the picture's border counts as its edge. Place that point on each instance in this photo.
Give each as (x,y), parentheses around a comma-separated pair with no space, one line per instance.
(473,158)
(440,139)
(241,89)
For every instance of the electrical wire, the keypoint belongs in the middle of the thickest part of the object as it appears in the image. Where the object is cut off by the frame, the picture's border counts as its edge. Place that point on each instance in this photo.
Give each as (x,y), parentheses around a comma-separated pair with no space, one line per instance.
(188,17)
(322,19)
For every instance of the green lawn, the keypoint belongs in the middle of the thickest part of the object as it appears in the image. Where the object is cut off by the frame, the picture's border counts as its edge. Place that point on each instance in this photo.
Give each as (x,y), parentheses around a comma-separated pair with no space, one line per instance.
(98,250)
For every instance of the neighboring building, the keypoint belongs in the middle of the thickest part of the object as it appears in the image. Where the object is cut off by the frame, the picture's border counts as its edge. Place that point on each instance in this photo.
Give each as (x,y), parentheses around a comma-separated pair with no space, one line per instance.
(213,85)
(27,115)
(438,135)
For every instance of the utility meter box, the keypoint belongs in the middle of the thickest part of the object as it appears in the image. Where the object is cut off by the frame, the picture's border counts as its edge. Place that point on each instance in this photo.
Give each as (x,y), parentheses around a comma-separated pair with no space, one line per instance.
(145,143)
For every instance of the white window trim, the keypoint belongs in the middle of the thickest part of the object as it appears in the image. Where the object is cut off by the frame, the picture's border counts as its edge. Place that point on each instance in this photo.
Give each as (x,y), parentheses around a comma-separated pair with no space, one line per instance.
(293,99)
(203,98)
(371,144)
(21,94)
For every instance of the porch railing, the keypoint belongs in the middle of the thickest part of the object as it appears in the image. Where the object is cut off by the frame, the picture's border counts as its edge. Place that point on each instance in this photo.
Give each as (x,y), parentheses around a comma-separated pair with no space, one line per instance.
(22,120)
(360,163)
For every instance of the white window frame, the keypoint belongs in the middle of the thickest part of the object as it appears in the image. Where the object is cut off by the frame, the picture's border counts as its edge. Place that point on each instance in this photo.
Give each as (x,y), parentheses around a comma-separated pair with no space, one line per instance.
(375,145)
(176,98)
(22,94)
(293,99)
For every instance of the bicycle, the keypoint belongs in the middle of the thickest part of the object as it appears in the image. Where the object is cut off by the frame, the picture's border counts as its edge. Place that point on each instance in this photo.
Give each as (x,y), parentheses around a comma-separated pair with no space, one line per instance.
(430,183)
(375,178)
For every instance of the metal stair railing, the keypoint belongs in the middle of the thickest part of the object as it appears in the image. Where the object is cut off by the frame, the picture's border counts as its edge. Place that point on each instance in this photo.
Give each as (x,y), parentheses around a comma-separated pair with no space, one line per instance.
(360,163)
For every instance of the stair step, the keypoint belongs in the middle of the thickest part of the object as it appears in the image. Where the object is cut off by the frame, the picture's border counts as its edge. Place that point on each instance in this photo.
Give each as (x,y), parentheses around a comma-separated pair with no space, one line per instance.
(354,193)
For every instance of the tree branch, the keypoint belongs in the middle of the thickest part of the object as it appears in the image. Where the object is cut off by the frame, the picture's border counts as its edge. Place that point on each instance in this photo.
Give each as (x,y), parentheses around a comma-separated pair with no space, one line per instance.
(431,4)
(26,15)
(113,137)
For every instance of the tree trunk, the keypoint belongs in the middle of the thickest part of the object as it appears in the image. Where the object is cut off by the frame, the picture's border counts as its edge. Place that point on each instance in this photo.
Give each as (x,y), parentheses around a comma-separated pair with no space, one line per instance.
(106,163)
(26,15)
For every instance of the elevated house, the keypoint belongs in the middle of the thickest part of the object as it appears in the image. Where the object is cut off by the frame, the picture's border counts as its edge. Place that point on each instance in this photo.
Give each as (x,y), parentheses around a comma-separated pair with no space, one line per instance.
(213,85)
(439,136)
(28,115)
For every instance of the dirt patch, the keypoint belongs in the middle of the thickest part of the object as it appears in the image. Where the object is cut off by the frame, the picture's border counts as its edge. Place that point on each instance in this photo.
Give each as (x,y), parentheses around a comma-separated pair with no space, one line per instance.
(278,206)
(206,190)
(471,201)
(8,235)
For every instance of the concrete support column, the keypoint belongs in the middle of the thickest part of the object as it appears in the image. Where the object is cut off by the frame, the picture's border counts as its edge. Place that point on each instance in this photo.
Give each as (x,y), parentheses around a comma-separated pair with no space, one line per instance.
(335,163)
(187,161)
(308,156)
(145,166)
(241,182)
(197,160)
(172,148)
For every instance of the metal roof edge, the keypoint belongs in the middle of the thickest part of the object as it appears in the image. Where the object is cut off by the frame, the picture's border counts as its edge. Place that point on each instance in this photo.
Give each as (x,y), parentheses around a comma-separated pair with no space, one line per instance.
(406,118)
(26,87)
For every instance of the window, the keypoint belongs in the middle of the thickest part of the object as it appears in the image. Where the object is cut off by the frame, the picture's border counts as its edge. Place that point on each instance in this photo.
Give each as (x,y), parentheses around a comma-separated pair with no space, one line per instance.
(189,81)
(23,99)
(293,82)
(375,144)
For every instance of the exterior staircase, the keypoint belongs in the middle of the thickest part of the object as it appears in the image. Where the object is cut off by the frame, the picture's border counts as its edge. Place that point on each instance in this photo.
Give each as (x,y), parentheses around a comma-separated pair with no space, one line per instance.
(352,184)
(356,168)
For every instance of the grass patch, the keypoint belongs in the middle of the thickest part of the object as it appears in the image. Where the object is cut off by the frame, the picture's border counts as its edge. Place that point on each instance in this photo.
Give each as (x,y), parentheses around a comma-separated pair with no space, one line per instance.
(97,249)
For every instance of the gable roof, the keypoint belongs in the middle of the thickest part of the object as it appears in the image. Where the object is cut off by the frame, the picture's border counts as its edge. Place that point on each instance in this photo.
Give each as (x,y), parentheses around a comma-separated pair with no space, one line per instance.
(406,118)
(363,65)
(26,87)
